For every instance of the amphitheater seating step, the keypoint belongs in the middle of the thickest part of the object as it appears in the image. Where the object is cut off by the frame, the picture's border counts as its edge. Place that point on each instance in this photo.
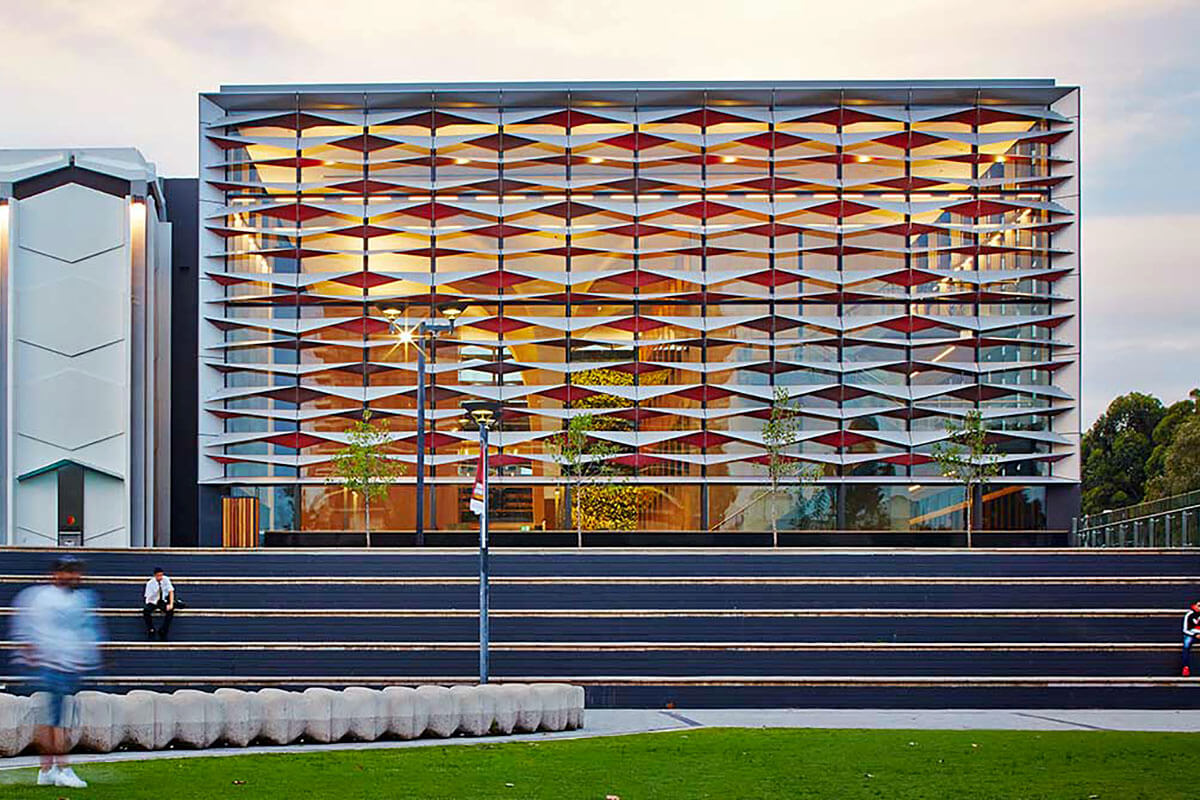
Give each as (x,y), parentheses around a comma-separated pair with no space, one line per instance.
(704,628)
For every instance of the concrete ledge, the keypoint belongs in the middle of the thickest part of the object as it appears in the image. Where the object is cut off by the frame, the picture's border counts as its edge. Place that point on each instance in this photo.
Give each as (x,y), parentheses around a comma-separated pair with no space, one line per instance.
(243,716)
(141,720)
(16,724)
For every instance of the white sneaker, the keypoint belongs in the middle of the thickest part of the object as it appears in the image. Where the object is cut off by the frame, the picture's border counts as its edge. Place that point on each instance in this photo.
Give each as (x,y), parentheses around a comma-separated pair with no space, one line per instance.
(47,777)
(68,778)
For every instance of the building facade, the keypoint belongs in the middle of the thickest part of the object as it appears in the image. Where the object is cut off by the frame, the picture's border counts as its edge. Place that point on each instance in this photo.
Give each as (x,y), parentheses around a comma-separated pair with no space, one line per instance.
(665,257)
(85,290)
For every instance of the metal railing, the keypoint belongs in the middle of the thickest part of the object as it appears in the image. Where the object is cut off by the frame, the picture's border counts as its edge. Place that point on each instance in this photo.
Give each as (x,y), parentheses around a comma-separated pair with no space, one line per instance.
(1169,522)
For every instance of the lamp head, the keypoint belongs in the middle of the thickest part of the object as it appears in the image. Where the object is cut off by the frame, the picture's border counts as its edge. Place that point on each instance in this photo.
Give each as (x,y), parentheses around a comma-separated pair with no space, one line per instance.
(482,412)
(452,311)
(392,315)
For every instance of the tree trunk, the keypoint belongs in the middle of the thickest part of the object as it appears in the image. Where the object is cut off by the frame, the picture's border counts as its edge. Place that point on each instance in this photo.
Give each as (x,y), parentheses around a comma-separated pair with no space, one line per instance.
(771,511)
(970,511)
(367,505)
(576,509)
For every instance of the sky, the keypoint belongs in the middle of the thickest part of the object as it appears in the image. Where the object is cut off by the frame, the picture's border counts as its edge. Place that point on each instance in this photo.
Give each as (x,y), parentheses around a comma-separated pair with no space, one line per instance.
(115,73)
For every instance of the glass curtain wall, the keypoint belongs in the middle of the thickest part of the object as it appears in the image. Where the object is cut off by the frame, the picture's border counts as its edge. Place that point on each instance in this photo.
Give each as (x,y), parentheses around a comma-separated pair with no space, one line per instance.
(661,260)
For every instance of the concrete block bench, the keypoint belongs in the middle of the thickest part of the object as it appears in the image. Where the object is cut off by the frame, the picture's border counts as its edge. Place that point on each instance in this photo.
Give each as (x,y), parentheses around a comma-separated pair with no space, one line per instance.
(193,719)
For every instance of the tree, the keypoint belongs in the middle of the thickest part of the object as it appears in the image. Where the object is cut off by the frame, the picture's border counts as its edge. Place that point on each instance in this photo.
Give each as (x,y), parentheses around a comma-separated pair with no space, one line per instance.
(967,457)
(1164,434)
(1181,462)
(780,433)
(363,467)
(1115,452)
(583,460)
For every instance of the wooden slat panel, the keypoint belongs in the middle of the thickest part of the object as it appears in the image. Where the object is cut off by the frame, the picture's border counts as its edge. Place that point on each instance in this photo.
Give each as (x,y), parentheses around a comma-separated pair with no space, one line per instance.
(239,522)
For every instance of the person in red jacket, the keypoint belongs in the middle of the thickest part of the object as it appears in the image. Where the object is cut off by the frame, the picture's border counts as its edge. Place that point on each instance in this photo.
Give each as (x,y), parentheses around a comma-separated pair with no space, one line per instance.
(1191,630)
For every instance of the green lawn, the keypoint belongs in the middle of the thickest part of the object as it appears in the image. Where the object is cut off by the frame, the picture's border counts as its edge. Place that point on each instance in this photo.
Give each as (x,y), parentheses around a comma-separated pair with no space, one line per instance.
(712,763)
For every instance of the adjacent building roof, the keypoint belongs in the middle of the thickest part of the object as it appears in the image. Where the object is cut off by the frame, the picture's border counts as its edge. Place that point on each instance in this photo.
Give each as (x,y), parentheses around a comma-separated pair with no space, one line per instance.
(116,170)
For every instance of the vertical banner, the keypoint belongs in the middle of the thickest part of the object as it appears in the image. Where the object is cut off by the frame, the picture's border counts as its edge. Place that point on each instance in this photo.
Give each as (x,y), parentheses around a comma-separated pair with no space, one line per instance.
(477,492)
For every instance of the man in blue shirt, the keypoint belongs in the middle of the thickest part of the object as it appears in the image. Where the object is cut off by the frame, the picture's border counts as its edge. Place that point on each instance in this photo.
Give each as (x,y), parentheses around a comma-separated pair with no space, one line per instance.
(58,636)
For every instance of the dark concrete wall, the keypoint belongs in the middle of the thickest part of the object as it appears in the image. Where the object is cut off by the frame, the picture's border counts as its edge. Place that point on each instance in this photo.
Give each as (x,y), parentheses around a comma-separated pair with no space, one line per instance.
(182,213)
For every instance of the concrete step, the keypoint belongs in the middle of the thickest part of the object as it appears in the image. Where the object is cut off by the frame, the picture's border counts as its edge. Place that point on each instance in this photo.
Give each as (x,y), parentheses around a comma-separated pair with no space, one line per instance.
(190,564)
(509,659)
(799,625)
(693,593)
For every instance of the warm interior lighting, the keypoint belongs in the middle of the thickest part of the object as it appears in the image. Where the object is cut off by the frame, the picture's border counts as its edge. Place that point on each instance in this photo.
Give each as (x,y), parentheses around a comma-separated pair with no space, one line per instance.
(406,335)
(944,353)
(595,160)
(916,487)
(462,161)
(864,159)
(1000,159)
(728,159)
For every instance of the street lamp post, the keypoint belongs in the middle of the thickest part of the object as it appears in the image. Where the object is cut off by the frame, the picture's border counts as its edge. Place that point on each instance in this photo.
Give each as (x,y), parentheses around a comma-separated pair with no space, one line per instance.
(485,414)
(417,334)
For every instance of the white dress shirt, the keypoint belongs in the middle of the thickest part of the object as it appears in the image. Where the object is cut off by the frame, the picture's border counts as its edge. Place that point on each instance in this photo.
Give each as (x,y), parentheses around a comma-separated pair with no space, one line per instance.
(152,591)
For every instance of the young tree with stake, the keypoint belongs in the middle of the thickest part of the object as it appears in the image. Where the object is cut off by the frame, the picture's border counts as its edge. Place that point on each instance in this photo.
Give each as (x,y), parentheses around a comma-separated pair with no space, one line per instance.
(362,465)
(583,460)
(968,458)
(781,432)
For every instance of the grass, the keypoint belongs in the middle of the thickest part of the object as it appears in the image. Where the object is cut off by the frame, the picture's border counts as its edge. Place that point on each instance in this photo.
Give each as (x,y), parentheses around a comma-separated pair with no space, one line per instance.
(712,763)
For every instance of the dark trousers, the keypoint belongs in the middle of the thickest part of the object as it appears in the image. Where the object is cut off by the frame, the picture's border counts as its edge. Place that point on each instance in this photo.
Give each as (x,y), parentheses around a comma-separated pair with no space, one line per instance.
(148,616)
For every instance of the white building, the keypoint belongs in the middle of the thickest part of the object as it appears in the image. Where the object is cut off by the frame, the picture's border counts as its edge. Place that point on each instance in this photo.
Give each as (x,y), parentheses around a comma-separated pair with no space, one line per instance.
(85,348)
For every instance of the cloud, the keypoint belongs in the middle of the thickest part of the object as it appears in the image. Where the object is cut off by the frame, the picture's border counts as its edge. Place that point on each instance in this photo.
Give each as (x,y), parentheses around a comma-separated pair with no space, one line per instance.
(1141,328)
(127,71)
(121,72)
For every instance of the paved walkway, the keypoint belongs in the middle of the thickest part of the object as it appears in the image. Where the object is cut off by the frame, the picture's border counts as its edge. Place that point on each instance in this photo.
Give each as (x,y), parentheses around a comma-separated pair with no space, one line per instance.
(615,722)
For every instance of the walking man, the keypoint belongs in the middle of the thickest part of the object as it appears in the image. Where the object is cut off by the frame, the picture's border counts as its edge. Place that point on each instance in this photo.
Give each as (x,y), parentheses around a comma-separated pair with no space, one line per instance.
(159,595)
(58,637)
(1191,630)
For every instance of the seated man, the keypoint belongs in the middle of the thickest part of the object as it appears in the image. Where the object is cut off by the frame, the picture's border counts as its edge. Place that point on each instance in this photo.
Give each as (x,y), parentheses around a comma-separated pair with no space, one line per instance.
(1191,630)
(159,595)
